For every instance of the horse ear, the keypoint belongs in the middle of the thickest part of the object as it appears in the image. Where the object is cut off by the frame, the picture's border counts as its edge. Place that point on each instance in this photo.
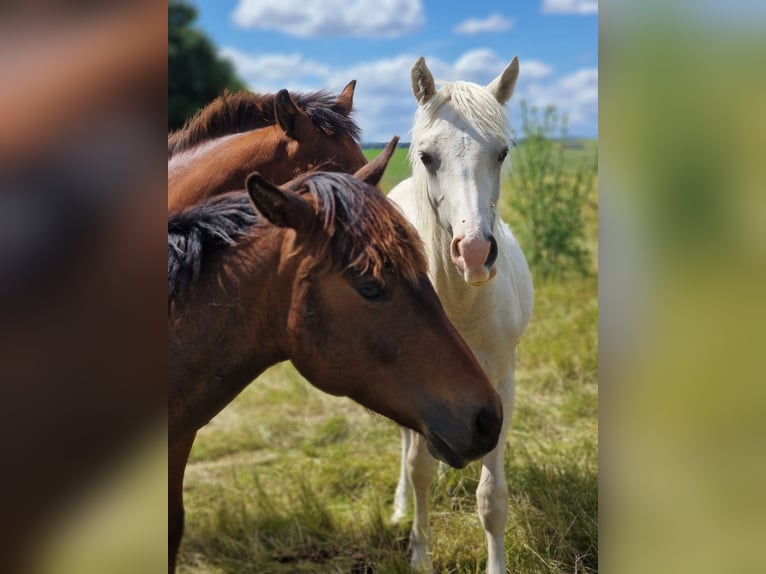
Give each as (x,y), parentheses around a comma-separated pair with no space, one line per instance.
(423,85)
(373,172)
(345,100)
(289,116)
(280,207)
(502,86)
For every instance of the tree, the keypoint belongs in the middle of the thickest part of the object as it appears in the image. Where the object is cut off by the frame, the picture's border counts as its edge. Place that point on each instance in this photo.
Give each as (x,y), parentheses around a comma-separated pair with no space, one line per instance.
(196,74)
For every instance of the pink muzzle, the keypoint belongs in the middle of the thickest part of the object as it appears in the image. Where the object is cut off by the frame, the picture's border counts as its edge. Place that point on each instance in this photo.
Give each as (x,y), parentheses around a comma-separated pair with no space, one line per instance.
(475,258)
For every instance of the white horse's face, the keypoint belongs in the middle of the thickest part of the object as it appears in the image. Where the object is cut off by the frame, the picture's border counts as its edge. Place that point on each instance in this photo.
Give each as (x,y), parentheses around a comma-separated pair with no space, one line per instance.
(460,159)
(462,170)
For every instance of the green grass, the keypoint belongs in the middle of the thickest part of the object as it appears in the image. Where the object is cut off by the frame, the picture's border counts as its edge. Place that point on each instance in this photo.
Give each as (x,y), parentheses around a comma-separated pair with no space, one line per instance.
(397,170)
(287,479)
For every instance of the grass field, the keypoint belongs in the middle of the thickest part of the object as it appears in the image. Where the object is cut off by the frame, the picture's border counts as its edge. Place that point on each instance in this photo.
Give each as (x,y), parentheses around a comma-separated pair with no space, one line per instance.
(287,479)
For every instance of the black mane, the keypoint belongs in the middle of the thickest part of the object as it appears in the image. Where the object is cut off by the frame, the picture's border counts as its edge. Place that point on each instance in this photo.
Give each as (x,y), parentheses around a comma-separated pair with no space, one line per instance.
(196,232)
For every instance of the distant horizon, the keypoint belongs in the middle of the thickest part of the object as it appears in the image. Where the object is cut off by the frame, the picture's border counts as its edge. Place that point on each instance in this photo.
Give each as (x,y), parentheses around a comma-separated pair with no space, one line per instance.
(406,144)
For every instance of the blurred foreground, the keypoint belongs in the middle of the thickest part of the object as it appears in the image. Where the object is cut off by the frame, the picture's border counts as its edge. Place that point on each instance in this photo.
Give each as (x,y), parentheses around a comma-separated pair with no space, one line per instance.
(82,341)
(683,278)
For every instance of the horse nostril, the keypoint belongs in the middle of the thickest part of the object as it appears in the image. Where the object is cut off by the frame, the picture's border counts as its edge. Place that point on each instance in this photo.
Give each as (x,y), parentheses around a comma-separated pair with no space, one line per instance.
(492,257)
(486,424)
(455,251)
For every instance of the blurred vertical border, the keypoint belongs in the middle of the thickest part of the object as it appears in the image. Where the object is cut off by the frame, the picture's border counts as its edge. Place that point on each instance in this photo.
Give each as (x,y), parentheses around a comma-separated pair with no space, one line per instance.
(682,218)
(83,116)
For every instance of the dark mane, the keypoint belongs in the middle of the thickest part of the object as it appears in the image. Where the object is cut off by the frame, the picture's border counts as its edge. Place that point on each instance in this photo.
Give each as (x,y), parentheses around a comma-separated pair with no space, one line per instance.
(195,232)
(245,111)
(363,231)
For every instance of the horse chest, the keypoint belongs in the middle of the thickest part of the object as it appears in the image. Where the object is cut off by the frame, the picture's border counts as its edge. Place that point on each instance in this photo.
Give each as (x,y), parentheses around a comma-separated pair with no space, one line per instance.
(491,335)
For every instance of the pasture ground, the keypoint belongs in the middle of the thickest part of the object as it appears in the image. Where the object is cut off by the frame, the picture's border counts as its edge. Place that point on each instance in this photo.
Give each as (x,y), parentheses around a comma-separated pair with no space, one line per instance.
(287,479)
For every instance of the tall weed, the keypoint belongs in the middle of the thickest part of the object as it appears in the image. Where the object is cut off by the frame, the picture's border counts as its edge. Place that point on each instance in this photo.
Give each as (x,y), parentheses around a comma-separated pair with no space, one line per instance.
(549,196)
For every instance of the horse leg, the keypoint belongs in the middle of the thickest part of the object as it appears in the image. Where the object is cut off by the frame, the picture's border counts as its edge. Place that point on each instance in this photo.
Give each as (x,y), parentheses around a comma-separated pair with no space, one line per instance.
(421,468)
(492,493)
(402,495)
(178,454)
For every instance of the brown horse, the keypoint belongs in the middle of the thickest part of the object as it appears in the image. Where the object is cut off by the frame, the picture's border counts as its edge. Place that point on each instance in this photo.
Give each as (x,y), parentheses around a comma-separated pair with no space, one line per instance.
(329,275)
(280,136)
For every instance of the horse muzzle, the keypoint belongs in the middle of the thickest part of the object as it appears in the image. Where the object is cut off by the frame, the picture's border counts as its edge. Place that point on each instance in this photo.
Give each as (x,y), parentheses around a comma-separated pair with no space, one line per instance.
(475,258)
(458,450)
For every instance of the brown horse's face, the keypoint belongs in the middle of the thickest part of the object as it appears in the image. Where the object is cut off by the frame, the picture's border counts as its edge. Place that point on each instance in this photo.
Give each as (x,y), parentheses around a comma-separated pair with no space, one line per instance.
(382,340)
(388,345)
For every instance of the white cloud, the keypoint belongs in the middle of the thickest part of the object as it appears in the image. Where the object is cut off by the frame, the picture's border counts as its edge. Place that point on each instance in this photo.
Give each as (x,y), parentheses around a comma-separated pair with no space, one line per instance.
(570,6)
(481,66)
(493,23)
(534,70)
(383,101)
(323,18)
(268,68)
(574,95)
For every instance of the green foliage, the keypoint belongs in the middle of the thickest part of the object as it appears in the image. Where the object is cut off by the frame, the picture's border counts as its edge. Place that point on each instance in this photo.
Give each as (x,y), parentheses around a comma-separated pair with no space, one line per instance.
(196,74)
(549,197)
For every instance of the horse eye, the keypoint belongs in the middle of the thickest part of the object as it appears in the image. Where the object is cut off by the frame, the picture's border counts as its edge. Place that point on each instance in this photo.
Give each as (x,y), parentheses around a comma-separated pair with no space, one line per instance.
(372,290)
(503,154)
(426,159)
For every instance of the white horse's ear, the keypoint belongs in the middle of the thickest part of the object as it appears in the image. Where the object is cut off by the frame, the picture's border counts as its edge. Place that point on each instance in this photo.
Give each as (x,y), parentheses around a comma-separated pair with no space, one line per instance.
(502,86)
(423,85)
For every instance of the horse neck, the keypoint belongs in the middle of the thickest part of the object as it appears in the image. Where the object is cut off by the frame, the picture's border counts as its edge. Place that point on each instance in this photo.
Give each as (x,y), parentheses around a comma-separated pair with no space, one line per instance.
(222,165)
(229,330)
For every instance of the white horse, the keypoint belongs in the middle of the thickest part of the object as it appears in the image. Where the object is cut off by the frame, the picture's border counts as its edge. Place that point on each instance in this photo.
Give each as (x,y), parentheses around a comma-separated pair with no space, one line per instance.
(459,142)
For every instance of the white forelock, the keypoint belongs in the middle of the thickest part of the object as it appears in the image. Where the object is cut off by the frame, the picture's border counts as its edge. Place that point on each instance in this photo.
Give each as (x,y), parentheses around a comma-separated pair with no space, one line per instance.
(473,102)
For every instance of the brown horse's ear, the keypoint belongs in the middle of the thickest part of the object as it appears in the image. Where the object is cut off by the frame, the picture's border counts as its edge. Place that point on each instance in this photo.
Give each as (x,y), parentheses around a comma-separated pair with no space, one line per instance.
(282,208)
(345,100)
(423,85)
(290,117)
(373,172)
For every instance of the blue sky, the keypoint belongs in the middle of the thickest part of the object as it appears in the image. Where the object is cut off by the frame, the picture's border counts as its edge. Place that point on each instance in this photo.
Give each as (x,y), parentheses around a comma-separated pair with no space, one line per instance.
(313,44)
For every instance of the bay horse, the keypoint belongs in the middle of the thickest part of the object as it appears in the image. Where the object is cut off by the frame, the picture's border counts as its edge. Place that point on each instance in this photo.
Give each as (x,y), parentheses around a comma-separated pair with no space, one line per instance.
(460,139)
(279,135)
(329,275)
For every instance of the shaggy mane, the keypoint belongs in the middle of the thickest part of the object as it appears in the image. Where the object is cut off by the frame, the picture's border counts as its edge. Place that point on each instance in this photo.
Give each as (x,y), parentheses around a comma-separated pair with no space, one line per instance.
(472,101)
(245,111)
(199,230)
(362,231)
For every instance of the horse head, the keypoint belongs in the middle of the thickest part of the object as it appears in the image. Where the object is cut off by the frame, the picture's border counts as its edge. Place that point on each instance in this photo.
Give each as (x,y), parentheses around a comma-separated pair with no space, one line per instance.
(364,321)
(280,136)
(460,140)
(319,142)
